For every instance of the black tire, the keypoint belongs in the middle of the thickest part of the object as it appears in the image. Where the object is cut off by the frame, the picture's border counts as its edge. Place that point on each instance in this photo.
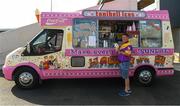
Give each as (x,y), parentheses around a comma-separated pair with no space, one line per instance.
(145,76)
(26,78)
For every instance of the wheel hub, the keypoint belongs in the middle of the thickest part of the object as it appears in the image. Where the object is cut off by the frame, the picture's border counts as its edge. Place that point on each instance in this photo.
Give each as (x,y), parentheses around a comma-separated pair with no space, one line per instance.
(145,76)
(25,78)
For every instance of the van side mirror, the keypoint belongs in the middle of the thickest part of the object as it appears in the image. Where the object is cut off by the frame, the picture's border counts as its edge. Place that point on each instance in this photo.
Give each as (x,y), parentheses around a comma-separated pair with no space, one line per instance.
(28,48)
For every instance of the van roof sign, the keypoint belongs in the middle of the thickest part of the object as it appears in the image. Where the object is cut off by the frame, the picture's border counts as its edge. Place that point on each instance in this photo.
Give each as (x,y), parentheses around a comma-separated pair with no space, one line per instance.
(114,13)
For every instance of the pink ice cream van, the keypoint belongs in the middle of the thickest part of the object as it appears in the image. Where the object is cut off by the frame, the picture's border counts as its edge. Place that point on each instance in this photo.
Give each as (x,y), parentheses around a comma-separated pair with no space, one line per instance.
(81,45)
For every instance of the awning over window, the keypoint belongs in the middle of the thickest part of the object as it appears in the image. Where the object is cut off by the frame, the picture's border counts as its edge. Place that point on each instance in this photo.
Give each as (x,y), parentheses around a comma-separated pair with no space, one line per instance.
(144,3)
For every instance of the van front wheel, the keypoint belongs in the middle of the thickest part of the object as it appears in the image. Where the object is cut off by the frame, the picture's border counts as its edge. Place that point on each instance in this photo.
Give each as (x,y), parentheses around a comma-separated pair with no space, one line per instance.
(26,78)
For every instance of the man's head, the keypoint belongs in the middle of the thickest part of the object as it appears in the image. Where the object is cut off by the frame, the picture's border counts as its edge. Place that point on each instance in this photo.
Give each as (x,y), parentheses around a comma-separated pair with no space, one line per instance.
(125,38)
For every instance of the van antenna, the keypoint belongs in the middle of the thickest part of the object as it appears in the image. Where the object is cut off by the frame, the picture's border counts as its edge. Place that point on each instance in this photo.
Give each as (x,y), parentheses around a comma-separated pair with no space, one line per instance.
(51,5)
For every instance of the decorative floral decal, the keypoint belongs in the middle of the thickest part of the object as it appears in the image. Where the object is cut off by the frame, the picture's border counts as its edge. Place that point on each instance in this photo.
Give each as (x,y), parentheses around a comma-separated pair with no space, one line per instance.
(49,63)
(159,61)
(104,62)
(142,60)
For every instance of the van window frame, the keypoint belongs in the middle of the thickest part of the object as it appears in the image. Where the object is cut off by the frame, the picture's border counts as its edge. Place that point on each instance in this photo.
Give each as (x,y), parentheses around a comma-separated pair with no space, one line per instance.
(37,37)
(140,46)
(97,34)
(75,57)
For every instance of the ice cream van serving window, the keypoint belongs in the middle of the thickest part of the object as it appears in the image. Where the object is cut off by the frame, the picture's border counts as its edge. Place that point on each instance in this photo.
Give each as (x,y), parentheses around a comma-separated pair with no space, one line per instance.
(91,33)
(142,33)
(111,31)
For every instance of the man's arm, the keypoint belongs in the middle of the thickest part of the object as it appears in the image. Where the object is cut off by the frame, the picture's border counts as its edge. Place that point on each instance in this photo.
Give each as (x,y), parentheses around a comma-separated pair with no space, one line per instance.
(127,52)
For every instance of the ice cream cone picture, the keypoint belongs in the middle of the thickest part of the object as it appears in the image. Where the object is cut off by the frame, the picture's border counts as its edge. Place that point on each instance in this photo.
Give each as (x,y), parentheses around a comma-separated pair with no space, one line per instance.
(37,13)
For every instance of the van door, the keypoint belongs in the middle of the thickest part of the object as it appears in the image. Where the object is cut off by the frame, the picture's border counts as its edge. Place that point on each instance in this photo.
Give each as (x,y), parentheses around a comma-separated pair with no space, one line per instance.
(46,49)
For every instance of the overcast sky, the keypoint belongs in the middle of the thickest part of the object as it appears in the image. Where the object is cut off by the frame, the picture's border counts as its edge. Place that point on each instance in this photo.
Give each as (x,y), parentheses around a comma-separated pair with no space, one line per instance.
(17,13)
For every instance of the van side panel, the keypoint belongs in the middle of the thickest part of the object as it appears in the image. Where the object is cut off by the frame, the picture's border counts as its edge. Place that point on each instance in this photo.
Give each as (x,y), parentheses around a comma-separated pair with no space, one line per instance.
(99,62)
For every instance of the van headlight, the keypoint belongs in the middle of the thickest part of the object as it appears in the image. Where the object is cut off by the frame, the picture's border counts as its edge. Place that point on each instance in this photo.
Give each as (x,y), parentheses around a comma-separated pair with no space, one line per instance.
(13,56)
(8,60)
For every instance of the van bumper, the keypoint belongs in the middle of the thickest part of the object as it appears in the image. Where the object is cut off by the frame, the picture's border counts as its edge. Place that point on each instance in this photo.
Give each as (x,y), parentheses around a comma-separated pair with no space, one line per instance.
(8,71)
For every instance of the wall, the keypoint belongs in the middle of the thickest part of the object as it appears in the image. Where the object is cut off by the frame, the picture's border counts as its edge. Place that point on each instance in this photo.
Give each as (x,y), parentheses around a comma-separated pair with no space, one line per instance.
(174,10)
(13,39)
(176,37)
(117,5)
(173,7)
